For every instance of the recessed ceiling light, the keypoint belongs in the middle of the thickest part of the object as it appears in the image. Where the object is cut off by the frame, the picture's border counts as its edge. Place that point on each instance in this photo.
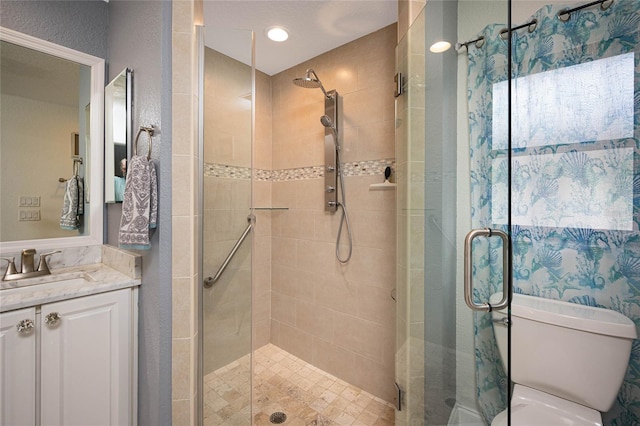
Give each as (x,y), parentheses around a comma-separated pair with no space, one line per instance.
(277,33)
(440,46)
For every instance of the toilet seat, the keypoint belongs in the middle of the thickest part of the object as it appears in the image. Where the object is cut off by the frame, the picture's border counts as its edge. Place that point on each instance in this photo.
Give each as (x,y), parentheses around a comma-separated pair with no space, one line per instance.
(531,407)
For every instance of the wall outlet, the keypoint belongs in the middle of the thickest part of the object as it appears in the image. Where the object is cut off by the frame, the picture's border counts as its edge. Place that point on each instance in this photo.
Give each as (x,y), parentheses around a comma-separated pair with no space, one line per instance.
(29,201)
(29,215)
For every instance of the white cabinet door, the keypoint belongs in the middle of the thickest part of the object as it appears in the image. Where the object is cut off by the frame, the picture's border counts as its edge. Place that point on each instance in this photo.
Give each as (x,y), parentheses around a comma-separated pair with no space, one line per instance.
(18,368)
(86,361)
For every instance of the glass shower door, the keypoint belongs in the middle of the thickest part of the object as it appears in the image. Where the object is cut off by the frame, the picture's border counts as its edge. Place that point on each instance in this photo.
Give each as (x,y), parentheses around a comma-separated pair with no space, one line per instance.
(448,368)
(546,153)
(226,234)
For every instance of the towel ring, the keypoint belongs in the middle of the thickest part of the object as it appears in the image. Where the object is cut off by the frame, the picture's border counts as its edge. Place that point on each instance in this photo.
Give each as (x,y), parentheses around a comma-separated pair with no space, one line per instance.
(149,131)
(76,168)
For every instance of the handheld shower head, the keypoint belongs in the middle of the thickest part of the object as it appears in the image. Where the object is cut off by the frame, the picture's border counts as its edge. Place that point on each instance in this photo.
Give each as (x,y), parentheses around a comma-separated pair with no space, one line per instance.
(310,81)
(327,122)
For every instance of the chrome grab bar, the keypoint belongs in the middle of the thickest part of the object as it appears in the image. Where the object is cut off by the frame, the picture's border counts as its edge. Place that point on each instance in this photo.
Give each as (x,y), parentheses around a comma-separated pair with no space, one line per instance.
(210,281)
(468,271)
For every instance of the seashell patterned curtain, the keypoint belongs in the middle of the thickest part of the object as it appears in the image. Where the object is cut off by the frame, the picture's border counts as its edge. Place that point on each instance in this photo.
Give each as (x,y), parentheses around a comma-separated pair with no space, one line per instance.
(574,173)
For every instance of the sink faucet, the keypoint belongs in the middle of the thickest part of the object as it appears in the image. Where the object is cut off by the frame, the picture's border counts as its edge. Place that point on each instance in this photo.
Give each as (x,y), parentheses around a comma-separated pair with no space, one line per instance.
(27,268)
(27,261)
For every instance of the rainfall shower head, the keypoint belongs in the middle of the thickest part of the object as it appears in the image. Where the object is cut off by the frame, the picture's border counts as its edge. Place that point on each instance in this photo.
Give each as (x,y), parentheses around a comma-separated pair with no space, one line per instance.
(310,81)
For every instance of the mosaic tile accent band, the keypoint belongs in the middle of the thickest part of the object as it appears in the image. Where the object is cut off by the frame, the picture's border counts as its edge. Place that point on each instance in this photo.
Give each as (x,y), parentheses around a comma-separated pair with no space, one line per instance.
(231,172)
(357,168)
(301,173)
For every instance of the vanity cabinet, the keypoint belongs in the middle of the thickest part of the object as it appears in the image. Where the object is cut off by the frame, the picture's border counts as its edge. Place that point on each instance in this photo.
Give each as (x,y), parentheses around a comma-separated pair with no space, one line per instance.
(77,365)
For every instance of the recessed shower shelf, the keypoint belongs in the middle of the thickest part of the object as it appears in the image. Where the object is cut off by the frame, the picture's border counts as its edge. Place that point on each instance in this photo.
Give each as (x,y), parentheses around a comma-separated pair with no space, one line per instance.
(271,208)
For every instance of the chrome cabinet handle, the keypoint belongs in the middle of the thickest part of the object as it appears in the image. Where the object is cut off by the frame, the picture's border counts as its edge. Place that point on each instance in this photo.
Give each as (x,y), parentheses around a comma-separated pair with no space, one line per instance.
(52,319)
(468,269)
(25,327)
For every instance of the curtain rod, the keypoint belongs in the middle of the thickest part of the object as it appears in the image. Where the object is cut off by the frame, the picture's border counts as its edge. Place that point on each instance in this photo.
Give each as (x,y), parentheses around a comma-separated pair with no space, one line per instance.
(565,14)
(478,41)
(530,26)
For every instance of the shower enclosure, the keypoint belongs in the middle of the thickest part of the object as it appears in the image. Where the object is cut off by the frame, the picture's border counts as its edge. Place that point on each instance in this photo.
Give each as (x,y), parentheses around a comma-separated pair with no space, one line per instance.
(486,137)
(330,322)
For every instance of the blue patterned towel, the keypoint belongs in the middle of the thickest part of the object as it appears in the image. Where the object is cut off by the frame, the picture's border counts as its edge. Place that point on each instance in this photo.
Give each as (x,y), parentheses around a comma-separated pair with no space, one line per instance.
(140,204)
(73,206)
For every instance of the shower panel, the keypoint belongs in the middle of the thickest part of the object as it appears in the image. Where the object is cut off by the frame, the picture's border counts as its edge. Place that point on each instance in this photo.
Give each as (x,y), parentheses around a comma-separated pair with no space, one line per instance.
(332,122)
(332,109)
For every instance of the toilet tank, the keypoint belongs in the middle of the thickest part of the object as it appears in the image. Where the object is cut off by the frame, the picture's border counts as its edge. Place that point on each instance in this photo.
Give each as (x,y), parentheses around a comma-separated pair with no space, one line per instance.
(575,352)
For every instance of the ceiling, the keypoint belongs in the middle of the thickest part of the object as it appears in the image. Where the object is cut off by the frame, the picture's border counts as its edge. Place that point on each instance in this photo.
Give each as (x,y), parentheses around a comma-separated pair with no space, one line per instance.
(314,26)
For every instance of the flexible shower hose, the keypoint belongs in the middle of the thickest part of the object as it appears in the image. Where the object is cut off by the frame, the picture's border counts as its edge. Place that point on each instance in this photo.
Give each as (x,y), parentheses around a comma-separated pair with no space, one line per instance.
(345,216)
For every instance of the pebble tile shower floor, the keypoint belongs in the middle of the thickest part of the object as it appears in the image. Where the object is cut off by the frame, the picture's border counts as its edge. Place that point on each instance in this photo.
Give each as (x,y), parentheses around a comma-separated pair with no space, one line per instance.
(284,383)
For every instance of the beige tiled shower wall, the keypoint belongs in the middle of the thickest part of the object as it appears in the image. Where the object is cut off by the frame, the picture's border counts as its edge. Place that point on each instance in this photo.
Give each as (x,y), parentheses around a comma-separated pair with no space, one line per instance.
(227,110)
(408,11)
(340,318)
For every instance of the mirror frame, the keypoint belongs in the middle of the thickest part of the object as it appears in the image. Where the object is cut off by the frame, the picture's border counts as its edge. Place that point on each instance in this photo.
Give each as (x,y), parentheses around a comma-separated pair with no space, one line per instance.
(127,73)
(94,232)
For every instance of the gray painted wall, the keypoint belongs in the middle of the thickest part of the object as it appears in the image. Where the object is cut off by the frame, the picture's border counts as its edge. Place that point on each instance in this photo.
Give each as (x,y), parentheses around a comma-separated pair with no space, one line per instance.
(134,34)
(140,39)
(80,25)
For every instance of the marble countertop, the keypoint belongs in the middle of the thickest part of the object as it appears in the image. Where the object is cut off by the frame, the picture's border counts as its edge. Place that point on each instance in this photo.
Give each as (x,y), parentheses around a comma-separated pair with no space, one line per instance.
(62,284)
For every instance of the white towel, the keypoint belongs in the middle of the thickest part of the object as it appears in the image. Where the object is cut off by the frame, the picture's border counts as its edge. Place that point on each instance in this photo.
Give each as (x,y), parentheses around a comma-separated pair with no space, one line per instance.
(73,206)
(140,204)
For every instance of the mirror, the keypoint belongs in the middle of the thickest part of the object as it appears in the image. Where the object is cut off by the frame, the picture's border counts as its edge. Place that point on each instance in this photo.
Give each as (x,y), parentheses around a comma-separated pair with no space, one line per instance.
(51,129)
(117,137)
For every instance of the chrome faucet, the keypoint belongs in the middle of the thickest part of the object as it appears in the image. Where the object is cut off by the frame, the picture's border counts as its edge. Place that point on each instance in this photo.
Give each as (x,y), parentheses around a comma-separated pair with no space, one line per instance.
(27,268)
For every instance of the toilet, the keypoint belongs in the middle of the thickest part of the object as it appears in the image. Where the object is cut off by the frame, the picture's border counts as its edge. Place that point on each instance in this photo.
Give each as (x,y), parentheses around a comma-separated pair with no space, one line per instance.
(568,361)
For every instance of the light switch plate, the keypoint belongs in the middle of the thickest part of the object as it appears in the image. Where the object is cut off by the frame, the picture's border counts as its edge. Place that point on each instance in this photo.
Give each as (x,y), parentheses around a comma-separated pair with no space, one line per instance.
(29,215)
(29,201)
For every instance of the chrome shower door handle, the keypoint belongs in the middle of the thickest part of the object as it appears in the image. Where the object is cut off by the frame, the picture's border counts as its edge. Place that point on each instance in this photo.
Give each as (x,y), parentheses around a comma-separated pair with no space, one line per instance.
(468,269)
